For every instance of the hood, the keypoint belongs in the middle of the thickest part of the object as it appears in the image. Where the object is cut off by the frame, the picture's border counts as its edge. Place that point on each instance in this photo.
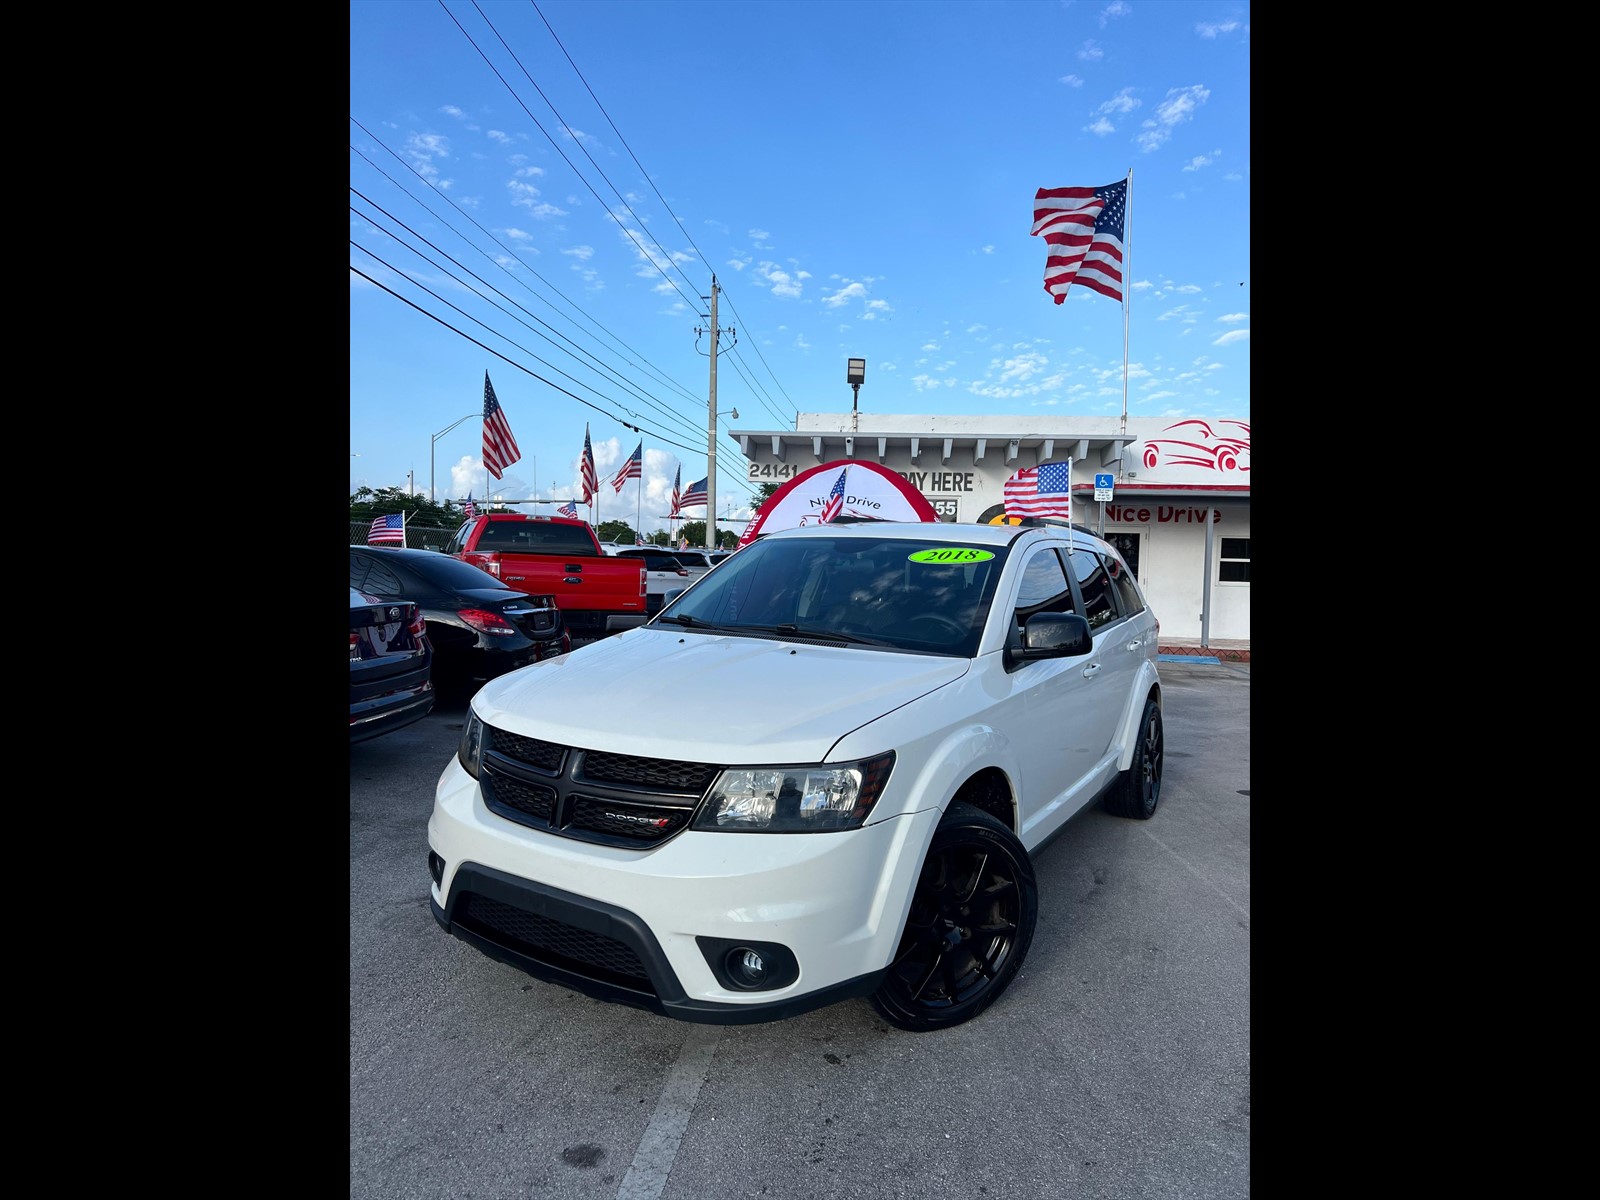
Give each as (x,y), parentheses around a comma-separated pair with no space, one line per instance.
(707,697)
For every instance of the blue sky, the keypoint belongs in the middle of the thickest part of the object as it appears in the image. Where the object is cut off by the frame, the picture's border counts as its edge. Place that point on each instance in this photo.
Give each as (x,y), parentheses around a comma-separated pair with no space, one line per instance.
(545,189)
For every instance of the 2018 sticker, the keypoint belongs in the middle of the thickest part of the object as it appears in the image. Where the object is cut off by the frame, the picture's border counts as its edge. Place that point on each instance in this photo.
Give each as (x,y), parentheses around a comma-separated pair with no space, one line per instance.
(952,554)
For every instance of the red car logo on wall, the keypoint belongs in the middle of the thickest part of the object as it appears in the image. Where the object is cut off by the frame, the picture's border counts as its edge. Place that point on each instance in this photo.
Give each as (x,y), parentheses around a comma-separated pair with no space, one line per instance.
(1218,451)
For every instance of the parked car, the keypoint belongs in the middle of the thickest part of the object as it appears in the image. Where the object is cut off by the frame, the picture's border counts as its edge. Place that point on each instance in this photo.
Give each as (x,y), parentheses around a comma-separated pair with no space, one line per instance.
(887,722)
(391,665)
(664,573)
(480,628)
(697,561)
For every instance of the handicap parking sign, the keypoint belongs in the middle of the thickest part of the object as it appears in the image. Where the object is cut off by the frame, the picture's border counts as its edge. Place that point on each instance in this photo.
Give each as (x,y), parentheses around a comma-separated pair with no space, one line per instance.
(1102,488)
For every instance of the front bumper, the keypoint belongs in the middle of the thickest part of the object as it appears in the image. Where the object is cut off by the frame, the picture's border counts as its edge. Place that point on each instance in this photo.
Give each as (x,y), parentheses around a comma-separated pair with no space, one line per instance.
(622,924)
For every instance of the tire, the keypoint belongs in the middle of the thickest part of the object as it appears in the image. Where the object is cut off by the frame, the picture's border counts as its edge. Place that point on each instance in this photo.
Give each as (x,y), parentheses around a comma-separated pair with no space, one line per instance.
(1137,790)
(969,928)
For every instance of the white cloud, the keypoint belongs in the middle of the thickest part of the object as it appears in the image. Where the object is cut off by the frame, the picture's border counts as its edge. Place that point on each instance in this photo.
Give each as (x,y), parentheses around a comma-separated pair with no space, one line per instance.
(1072,80)
(1232,336)
(1233,318)
(846,293)
(582,253)
(1195,163)
(527,172)
(1091,52)
(1117,8)
(988,249)
(525,195)
(1178,107)
(1217,29)
(783,284)
(1123,102)
(1100,128)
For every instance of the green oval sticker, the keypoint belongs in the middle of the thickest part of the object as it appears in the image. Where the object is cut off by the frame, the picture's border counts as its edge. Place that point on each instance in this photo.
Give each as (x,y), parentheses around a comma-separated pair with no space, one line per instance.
(952,554)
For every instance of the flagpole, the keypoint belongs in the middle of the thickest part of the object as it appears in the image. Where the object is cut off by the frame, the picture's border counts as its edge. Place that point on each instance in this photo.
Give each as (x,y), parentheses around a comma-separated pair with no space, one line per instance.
(638,510)
(1127,290)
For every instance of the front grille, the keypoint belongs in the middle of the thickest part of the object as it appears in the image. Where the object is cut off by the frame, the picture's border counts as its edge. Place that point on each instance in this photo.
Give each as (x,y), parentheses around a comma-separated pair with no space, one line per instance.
(535,800)
(619,800)
(553,942)
(545,756)
(654,774)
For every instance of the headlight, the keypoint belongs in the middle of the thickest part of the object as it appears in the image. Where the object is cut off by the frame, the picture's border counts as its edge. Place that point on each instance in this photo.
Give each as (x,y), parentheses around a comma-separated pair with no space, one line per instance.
(470,751)
(806,799)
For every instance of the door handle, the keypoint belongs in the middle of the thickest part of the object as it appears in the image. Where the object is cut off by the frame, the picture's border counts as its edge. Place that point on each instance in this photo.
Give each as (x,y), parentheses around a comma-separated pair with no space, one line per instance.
(1135,644)
(1090,669)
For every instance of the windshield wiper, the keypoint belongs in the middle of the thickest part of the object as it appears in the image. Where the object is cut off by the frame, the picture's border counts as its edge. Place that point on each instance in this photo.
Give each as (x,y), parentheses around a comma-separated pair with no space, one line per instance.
(828,634)
(686,620)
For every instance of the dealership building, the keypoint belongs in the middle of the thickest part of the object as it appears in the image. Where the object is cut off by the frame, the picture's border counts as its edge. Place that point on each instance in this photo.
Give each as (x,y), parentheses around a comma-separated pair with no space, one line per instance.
(1178,504)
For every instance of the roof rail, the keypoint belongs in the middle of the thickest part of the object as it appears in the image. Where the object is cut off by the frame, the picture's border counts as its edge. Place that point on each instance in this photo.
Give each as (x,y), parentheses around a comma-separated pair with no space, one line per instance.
(1057,522)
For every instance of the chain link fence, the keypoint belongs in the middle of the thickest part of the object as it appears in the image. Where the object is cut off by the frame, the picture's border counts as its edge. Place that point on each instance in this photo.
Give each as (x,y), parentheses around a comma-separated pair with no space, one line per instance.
(418,537)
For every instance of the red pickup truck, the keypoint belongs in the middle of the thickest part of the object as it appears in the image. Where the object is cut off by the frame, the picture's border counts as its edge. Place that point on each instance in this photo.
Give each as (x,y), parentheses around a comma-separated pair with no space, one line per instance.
(558,556)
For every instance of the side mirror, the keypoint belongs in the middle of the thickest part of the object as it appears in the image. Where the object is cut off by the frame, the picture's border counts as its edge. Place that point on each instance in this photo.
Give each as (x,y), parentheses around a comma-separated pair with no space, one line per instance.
(1052,635)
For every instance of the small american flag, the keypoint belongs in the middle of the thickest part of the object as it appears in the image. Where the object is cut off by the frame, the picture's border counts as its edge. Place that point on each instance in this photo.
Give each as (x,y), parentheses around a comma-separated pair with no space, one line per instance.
(569,509)
(387,529)
(695,497)
(638,539)
(468,507)
(1083,226)
(1042,491)
(835,500)
(499,447)
(677,499)
(591,485)
(632,469)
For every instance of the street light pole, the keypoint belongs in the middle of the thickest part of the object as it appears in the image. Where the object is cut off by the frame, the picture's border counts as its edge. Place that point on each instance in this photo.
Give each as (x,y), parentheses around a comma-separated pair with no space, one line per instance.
(434,439)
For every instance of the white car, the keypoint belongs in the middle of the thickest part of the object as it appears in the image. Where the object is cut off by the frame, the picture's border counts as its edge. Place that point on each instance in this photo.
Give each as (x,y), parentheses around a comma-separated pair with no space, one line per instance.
(818,773)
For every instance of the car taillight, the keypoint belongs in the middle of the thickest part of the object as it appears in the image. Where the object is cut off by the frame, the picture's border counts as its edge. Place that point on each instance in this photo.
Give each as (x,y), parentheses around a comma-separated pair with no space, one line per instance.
(417,624)
(486,622)
(644,583)
(683,570)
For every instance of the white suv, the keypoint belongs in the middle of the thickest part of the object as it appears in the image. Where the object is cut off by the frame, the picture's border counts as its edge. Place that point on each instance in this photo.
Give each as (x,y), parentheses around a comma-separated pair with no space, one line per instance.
(885,720)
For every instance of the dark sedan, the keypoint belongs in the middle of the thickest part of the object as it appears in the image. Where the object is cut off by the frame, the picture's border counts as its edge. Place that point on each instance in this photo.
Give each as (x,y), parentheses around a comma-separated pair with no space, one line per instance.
(391,662)
(479,627)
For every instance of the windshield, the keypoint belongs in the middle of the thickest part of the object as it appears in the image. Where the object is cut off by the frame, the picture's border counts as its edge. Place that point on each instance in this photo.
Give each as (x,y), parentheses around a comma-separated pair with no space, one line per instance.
(930,595)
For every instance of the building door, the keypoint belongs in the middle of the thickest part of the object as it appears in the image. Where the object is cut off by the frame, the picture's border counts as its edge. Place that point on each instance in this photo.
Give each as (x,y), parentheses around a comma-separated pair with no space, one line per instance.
(1127,545)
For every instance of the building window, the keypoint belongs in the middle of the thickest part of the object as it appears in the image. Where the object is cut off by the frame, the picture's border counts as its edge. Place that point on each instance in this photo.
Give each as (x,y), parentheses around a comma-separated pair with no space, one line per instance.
(1235,564)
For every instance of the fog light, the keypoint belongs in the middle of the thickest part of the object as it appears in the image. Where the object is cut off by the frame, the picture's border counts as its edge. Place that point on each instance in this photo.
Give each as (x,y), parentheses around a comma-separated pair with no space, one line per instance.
(435,867)
(747,966)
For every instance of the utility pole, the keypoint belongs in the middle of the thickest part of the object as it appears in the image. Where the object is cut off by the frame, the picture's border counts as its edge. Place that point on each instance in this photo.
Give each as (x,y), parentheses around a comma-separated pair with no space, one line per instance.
(711,424)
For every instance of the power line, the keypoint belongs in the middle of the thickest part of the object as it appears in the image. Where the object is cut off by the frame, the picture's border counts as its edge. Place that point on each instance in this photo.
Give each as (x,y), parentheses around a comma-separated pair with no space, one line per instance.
(510,362)
(559,151)
(647,178)
(511,253)
(401,241)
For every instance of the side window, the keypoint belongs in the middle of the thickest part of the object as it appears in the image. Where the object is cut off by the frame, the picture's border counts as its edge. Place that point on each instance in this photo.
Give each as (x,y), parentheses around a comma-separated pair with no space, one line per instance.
(459,539)
(1127,590)
(1099,593)
(1043,587)
(382,581)
(1234,566)
(358,570)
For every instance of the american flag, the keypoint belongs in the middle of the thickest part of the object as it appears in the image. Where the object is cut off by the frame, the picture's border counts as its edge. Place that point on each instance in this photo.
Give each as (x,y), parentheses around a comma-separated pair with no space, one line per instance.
(677,499)
(1083,226)
(468,507)
(835,500)
(387,529)
(1042,491)
(632,469)
(591,485)
(638,539)
(569,509)
(499,447)
(695,497)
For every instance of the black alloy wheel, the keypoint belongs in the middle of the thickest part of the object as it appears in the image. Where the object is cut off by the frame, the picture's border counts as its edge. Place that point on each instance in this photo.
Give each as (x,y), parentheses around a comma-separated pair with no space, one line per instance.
(971,922)
(1137,790)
